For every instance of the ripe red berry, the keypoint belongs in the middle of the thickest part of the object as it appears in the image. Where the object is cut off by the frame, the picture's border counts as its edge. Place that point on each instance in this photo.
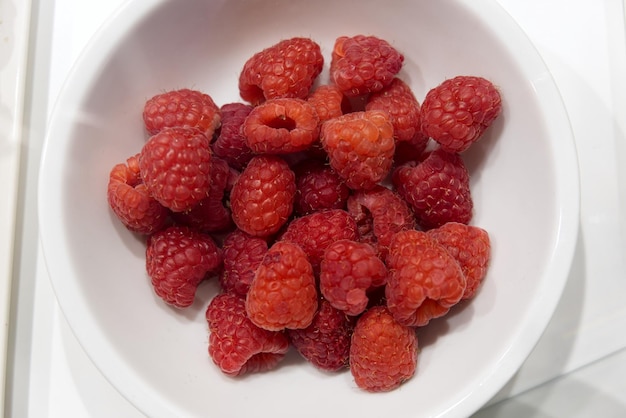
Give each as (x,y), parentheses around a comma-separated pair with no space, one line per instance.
(360,147)
(425,281)
(242,255)
(318,187)
(459,110)
(329,102)
(281,126)
(436,188)
(262,197)
(129,199)
(177,260)
(383,352)
(363,64)
(286,69)
(236,345)
(175,166)
(348,270)
(181,108)
(470,247)
(326,342)
(283,293)
(230,143)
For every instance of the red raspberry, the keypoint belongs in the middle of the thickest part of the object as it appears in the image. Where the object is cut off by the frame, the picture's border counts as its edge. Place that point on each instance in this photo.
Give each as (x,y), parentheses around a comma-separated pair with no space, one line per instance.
(286,69)
(347,271)
(210,214)
(326,342)
(437,189)
(363,64)
(329,102)
(383,352)
(129,199)
(316,231)
(318,187)
(424,282)
(242,255)
(380,213)
(470,247)
(230,143)
(398,101)
(283,294)
(181,108)
(262,197)
(457,112)
(177,260)
(236,345)
(281,126)
(360,147)
(175,165)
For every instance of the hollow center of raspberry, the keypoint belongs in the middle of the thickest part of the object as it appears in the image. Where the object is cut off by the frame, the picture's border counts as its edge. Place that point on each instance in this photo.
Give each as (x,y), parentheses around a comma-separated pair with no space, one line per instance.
(282,122)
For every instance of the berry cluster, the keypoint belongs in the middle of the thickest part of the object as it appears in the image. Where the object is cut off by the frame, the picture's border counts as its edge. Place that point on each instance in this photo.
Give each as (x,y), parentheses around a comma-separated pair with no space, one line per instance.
(335,217)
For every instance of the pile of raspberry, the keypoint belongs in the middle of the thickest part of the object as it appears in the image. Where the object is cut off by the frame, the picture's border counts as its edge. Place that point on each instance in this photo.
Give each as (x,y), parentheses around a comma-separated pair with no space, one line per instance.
(336,217)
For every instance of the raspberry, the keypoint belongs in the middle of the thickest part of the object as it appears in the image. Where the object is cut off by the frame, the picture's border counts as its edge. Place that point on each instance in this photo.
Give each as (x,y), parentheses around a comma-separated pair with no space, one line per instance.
(329,102)
(326,342)
(437,189)
(413,150)
(457,112)
(210,214)
(363,64)
(380,213)
(398,101)
(177,260)
(383,352)
(470,247)
(181,108)
(129,199)
(316,231)
(286,69)
(175,165)
(236,345)
(347,271)
(281,126)
(242,255)
(360,147)
(262,197)
(230,143)
(318,187)
(283,294)
(424,282)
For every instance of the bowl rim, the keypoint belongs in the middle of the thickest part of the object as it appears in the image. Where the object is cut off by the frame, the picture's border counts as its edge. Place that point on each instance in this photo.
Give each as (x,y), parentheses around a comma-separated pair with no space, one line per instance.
(102,353)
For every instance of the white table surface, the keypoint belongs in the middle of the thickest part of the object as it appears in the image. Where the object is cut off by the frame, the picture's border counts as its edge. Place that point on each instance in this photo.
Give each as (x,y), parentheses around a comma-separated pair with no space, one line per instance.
(578,367)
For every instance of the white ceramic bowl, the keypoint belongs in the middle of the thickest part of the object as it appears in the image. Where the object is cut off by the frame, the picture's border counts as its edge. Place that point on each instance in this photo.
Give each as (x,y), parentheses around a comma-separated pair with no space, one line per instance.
(524,183)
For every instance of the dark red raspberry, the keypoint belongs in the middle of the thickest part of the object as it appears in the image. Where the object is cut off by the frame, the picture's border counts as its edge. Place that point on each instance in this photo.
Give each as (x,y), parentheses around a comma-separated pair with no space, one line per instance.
(383,352)
(283,293)
(360,147)
(181,108)
(262,197)
(210,214)
(230,143)
(348,270)
(236,345)
(242,255)
(318,187)
(316,231)
(281,126)
(424,281)
(175,166)
(129,199)
(329,102)
(363,64)
(286,69)
(380,213)
(471,248)
(457,112)
(177,260)
(437,189)
(326,342)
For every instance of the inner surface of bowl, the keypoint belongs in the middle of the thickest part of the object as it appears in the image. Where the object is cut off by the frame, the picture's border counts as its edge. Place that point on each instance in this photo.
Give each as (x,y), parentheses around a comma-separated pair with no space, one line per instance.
(524,185)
